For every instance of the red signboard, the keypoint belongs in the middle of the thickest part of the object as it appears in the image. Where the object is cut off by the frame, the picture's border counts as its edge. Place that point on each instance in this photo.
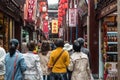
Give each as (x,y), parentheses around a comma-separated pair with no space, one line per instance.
(30,10)
(45,27)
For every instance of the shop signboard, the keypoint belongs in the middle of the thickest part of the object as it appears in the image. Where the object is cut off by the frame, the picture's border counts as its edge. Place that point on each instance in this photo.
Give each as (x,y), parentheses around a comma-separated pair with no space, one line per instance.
(45,27)
(107,10)
(30,10)
(72,17)
(54,26)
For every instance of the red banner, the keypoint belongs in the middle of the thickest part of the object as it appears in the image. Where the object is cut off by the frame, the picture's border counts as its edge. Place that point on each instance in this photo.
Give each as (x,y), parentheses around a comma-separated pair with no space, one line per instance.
(30,10)
(45,27)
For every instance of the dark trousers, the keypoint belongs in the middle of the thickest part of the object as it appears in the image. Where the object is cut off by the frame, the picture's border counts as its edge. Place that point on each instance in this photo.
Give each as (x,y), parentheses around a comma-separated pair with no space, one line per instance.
(69,74)
(58,76)
(46,77)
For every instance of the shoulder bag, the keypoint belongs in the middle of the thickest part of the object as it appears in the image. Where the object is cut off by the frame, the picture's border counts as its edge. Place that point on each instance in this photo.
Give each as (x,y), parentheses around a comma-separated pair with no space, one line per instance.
(50,69)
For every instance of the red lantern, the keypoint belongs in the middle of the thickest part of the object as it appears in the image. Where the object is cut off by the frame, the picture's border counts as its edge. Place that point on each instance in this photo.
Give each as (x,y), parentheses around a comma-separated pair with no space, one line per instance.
(63,12)
(66,0)
(62,1)
(60,14)
(60,18)
(44,3)
(66,5)
(60,6)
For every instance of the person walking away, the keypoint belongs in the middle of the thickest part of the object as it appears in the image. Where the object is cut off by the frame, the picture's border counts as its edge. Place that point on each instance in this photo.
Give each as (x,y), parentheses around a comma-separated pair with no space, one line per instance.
(2,56)
(69,48)
(83,49)
(44,57)
(79,64)
(14,62)
(38,47)
(59,61)
(24,46)
(33,71)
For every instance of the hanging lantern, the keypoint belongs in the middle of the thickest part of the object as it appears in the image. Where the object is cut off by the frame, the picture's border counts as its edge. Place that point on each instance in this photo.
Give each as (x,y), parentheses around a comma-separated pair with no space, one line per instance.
(60,6)
(59,10)
(44,9)
(46,17)
(63,12)
(60,18)
(62,1)
(60,14)
(66,5)
(66,1)
(44,3)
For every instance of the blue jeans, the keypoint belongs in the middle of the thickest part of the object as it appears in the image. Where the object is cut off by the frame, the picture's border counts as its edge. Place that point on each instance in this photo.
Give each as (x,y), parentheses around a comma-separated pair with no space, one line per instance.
(58,76)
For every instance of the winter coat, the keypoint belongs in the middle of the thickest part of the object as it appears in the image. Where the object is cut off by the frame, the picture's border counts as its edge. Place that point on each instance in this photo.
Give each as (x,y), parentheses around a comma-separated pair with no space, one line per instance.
(79,64)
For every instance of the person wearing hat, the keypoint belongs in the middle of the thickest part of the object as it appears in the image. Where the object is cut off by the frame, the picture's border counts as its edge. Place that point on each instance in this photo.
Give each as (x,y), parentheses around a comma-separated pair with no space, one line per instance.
(14,62)
(2,56)
(69,48)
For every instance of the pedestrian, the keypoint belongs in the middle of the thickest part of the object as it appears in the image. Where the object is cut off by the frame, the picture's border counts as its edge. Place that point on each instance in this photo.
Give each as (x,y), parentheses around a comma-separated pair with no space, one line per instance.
(59,61)
(32,60)
(2,57)
(44,57)
(83,49)
(38,47)
(24,46)
(14,62)
(69,48)
(79,64)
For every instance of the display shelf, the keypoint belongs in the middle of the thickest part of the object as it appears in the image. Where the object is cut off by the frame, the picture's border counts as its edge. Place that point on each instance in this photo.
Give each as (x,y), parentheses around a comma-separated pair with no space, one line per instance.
(112,42)
(112,52)
(112,32)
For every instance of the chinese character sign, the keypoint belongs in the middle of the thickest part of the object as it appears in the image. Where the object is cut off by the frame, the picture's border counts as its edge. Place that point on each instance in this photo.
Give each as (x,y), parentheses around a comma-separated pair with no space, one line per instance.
(54,26)
(30,10)
(72,17)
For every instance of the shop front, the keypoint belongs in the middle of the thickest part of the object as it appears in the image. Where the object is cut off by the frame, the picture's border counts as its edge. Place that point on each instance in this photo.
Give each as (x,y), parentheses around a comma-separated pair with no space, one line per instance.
(10,22)
(108,41)
(6,29)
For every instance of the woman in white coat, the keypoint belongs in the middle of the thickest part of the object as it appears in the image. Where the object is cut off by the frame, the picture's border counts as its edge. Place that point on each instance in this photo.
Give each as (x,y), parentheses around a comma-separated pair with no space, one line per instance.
(79,64)
(32,60)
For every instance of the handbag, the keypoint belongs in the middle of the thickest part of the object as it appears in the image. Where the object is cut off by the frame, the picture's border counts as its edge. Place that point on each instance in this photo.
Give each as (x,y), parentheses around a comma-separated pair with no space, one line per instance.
(13,74)
(50,69)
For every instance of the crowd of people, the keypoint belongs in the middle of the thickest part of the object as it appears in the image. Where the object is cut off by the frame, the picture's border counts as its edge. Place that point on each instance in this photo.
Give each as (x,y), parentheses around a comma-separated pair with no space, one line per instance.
(47,60)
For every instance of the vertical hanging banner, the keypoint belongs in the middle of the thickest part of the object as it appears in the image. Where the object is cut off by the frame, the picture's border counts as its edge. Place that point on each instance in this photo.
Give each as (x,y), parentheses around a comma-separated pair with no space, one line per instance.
(54,26)
(45,28)
(60,32)
(72,17)
(30,10)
